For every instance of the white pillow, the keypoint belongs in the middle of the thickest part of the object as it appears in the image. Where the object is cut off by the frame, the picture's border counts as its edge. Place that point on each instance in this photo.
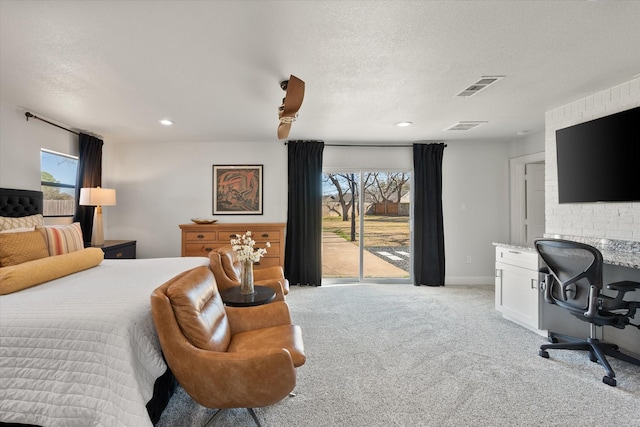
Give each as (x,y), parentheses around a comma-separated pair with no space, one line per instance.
(8,223)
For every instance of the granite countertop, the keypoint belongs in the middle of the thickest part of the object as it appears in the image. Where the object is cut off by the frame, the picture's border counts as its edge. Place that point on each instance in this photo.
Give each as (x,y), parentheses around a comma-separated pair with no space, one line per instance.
(623,259)
(516,246)
(621,253)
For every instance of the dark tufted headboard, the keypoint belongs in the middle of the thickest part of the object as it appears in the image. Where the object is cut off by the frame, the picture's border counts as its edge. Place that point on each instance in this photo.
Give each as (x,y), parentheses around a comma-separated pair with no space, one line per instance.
(18,203)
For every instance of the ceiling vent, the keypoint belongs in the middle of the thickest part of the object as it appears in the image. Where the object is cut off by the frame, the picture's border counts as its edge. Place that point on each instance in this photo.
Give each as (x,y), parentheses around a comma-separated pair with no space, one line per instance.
(465,125)
(480,85)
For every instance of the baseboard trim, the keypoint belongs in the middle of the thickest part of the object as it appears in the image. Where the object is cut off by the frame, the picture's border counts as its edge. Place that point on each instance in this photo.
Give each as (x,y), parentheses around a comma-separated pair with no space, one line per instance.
(469,280)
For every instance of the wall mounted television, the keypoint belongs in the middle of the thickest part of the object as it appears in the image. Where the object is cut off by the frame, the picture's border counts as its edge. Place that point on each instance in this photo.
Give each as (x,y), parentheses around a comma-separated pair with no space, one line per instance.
(599,160)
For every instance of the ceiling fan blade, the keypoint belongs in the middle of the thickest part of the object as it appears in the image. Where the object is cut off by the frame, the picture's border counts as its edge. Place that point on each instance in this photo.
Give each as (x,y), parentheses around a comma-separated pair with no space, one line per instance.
(288,112)
(283,130)
(294,97)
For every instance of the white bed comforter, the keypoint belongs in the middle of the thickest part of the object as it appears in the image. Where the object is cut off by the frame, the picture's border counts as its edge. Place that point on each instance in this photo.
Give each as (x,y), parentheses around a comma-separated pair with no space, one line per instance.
(82,350)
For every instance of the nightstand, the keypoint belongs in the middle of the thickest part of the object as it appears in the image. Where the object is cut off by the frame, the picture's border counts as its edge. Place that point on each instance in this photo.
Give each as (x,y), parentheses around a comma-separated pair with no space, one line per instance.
(119,249)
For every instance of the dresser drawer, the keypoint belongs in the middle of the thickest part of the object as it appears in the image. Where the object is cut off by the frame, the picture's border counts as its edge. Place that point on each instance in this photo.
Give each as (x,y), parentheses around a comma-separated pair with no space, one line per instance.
(273,250)
(200,236)
(267,262)
(258,236)
(202,239)
(267,236)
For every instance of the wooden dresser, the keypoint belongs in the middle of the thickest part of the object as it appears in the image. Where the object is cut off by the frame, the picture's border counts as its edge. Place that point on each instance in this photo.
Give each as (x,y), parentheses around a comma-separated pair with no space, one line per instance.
(199,240)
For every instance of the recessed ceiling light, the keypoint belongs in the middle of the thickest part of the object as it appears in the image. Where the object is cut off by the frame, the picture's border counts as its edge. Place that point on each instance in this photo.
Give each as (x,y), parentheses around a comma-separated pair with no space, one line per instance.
(166,122)
(404,124)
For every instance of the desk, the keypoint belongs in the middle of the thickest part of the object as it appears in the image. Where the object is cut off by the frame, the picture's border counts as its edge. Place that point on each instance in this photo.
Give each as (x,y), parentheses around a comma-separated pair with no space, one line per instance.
(262,295)
(621,262)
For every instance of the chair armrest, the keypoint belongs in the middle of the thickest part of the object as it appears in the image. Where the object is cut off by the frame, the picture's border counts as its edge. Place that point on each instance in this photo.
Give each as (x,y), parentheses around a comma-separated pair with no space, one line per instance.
(268,273)
(276,285)
(262,316)
(624,286)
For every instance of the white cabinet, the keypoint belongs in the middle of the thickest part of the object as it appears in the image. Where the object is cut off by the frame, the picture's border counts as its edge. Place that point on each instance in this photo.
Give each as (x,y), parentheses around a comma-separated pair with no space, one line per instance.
(517,289)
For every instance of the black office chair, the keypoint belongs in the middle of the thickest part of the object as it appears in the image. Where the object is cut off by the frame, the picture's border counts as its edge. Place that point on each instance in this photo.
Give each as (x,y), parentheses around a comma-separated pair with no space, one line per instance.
(573,281)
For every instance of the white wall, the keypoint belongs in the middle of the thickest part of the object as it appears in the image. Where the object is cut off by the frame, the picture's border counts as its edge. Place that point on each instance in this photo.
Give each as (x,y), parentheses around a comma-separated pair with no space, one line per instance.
(530,144)
(475,197)
(20,144)
(160,186)
(600,220)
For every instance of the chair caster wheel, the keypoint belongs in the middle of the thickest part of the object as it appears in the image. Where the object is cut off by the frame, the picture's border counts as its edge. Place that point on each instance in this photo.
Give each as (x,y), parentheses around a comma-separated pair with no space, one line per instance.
(553,340)
(543,353)
(593,358)
(609,381)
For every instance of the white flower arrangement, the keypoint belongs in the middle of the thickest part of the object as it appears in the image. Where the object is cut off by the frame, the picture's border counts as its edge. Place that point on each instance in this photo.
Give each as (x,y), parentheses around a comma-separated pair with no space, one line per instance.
(243,246)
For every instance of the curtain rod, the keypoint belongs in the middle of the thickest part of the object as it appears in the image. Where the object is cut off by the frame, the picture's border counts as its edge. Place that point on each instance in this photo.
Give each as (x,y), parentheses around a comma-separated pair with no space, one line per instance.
(31,116)
(368,145)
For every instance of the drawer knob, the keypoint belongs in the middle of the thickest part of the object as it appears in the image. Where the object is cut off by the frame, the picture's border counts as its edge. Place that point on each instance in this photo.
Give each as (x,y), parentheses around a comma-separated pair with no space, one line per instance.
(200,236)
(119,255)
(265,235)
(208,249)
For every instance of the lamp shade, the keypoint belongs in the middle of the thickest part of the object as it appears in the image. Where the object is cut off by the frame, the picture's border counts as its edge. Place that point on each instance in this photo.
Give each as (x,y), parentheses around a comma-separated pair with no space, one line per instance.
(97,196)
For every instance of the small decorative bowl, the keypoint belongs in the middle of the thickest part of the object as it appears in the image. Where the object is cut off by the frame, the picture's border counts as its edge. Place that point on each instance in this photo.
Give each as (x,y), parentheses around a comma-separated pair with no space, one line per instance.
(204,220)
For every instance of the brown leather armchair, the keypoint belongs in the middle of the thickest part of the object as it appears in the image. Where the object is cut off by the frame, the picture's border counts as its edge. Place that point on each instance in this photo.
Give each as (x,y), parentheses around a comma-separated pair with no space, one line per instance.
(225,357)
(226,269)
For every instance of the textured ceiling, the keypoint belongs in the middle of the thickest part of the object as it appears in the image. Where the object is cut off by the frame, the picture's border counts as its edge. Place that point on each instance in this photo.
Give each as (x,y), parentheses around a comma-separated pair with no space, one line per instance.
(114,68)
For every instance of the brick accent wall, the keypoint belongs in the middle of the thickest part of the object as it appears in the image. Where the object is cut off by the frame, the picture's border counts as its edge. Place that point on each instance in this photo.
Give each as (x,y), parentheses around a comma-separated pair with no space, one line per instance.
(599,220)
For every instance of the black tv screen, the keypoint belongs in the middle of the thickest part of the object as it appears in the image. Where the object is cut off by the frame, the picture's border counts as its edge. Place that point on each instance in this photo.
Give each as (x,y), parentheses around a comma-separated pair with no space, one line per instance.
(599,160)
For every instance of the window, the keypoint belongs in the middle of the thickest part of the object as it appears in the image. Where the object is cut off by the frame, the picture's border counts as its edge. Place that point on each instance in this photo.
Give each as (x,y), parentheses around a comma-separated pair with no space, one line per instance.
(58,183)
(377,225)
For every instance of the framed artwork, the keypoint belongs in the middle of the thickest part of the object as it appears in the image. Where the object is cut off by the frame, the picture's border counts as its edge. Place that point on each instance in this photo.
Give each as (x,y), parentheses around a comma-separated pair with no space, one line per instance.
(237,189)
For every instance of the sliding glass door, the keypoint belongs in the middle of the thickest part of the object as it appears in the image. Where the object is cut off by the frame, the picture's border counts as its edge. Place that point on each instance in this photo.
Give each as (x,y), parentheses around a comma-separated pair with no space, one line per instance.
(366,225)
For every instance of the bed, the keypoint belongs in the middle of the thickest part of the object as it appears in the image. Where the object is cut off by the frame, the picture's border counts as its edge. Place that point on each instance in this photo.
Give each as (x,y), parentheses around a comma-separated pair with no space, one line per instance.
(82,349)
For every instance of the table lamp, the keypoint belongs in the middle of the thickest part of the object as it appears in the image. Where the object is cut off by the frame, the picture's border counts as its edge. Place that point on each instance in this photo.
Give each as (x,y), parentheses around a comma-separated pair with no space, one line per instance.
(97,197)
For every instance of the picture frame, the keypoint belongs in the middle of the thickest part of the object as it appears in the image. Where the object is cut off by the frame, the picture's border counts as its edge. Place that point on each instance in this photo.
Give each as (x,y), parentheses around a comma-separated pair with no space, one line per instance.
(237,189)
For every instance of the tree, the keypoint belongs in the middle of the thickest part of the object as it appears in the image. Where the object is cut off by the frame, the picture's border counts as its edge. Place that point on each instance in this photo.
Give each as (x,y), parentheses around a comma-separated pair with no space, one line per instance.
(387,187)
(50,192)
(347,189)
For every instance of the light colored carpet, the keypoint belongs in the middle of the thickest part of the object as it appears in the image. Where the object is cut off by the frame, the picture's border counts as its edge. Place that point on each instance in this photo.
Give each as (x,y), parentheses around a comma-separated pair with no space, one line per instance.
(401,355)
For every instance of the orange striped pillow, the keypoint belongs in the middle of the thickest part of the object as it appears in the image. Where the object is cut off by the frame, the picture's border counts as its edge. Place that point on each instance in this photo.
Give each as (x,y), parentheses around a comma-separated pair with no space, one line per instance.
(62,239)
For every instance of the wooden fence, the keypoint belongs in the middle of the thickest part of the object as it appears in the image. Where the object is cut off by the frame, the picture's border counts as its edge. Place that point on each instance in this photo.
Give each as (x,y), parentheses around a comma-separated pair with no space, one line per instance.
(389,208)
(59,207)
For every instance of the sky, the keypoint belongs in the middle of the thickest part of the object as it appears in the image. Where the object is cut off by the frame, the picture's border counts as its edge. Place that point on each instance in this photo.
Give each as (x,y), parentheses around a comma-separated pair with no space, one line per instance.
(62,167)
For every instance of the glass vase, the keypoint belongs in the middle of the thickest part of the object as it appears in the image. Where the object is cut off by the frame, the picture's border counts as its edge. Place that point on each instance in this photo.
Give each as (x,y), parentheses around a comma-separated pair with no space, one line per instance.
(246,278)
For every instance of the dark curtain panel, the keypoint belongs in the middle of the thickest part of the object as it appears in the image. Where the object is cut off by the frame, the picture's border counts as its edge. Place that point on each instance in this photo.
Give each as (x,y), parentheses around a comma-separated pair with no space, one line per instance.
(89,175)
(428,230)
(303,245)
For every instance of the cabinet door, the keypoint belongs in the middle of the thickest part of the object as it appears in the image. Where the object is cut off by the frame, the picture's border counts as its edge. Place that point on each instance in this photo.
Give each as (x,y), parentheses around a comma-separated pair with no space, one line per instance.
(518,293)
